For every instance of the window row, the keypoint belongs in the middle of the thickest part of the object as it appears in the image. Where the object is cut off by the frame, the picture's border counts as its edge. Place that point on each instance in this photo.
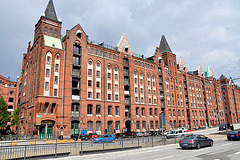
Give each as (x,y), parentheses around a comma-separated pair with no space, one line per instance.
(138,63)
(149,100)
(106,55)
(98,73)
(98,109)
(4,83)
(98,96)
(152,112)
(50,31)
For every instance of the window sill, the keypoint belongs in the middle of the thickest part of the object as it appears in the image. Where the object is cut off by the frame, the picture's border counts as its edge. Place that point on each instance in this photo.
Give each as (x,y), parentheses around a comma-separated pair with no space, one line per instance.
(90,115)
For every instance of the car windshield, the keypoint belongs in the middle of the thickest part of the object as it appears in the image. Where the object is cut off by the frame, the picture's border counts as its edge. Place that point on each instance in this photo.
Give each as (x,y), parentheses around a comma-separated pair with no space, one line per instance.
(189,137)
(222,125)
(233,132)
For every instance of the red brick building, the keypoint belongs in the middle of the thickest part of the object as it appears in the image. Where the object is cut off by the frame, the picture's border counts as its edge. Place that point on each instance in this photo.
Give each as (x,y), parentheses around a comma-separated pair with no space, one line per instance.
(9,90)
(70,83)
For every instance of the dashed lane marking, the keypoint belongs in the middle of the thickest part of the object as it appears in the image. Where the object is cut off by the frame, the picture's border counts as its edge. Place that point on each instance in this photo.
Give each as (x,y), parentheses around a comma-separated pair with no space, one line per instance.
(164,158)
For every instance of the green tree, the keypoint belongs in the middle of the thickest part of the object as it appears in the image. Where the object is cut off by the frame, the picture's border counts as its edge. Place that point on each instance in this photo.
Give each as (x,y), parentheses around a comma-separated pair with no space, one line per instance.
(4,114)
(15,117)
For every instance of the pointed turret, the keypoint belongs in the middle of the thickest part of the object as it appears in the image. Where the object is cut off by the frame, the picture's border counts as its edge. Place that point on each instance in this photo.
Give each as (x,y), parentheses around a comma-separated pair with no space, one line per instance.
(164,47)
(212,73)
(200,71)
(208,72)
(182,64)
(124,45)
(222,77)
(50,11)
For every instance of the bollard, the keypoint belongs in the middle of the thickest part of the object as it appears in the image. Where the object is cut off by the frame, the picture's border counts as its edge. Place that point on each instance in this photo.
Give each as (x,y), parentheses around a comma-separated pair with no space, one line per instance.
(138,142)
(103,147)
(81,149)
(122,145)
(152,141)
(164,140)
(25,152)
(132,139)
(56,148)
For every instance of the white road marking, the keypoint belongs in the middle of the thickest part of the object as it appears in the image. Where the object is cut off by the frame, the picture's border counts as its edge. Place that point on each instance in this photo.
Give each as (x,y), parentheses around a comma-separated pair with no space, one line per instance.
(164,158)
(201,149)
(226,144)
(237,153)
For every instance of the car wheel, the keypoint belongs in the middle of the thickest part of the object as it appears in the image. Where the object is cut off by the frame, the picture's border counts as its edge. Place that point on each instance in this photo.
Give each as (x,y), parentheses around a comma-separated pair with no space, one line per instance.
(99,141)
(183,147)
(229,139)
(113,140)
(211,143)
(198,146)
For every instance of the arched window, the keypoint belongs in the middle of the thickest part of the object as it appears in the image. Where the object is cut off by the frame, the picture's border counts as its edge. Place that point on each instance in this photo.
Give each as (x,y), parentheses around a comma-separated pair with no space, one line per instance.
(114,56)
(50,30)
(46,30)
(55,32)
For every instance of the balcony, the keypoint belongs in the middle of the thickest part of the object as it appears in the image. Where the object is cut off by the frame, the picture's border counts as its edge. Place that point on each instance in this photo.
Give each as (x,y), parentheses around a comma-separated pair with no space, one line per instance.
(161,96)
(125,64)
(127,101)
(162,105)
(76,97)
(75,114)
(159,72)
(126,93)
(126,82)
(127,114)
(76,74)
(126,73)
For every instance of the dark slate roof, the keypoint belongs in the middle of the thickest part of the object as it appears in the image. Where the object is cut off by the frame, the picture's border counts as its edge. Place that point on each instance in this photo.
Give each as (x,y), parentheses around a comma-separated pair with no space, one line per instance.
(50,11)
(163,47)
(222,77)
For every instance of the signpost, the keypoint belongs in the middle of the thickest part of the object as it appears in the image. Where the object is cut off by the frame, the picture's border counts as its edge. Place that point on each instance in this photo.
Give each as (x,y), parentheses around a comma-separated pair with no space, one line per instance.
(162,121)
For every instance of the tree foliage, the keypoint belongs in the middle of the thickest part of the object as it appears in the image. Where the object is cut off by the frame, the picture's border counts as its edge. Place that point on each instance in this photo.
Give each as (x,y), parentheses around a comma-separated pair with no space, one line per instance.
(15,117)
(4,114)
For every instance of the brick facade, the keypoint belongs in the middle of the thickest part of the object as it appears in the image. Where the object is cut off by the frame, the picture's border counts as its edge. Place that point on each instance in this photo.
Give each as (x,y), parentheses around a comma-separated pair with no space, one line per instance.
(70,83)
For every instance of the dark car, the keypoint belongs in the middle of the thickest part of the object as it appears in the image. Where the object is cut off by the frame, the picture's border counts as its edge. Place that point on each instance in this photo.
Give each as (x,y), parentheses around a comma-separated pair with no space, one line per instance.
(77,136)
(224,126)
(119,135)
(233,135)
(195,141)
(131,134)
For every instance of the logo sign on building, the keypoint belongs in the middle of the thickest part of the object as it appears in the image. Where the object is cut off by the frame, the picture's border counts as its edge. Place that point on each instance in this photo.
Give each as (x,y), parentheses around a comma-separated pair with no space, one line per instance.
(39,116)
(162,120)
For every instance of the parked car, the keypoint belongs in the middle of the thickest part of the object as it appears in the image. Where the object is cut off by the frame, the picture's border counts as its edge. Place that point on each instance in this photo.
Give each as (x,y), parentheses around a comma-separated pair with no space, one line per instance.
(77,136)
(233,135)
(195,141)
(130,134)
(104,138)
(145,134)
(119,135)
(175,133)
(190,130)
(166,132)
(92,135)
(224,126)
(139,134)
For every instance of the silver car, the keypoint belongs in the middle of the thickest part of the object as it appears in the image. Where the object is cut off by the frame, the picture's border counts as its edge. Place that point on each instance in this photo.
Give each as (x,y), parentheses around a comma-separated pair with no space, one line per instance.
(195,141)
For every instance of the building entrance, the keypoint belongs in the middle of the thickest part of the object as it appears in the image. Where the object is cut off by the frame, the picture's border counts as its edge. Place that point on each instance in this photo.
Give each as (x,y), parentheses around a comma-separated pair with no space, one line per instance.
(128,126)
(46,130)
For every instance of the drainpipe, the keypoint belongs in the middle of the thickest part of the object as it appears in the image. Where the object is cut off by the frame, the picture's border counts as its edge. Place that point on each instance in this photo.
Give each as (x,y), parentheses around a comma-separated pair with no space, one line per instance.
(63,88)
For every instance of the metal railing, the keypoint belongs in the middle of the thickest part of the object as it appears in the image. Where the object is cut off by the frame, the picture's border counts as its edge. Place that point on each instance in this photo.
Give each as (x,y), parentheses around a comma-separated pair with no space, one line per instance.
(56,148)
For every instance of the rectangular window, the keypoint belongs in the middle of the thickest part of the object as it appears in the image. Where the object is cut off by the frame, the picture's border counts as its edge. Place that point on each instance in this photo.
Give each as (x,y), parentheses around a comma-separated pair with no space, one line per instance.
(98,73)
(96,53)
(138,125)
(56,79)
(156,124)
(10,100)
(89,83)
(143,125)
(46,86)
(148,83)
(153,84)
(150,100)
(143,112)
(117,125)
(116,88)
(109,97)
(98,126)
(53,107)
(98,109)
(150,112)
(141,82)
(141,90)
(109,85)
(55,92)
(47,73)
(136,99)
(101,53)
(92,50)
(116,77)
(89,94)
(155,101)
(89,125)
(98,84)
(135,80)
(48,60)
(98,95)
(89,72)
(116,97)
(109,75)
(142,100)
(89,109)
(137,111)
(109,110)
(45,107)
(117,110)
(136,90)
(151,124)
(169,112)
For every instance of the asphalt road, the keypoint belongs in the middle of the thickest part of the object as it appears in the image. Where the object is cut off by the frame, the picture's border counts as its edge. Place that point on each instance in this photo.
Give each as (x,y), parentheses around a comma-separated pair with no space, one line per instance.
(222,150)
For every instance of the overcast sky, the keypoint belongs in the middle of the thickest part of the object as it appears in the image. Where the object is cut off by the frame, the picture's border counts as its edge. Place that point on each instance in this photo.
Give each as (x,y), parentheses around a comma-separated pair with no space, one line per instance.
(205,32)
